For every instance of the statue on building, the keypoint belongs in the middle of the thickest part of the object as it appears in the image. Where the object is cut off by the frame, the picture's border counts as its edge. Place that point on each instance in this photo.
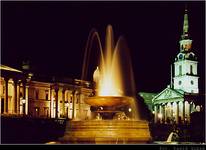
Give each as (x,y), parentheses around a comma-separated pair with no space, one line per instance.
(96,78)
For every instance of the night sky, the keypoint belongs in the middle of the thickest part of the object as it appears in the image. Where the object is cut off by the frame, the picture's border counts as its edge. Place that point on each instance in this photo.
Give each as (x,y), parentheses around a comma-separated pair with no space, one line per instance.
(53,36)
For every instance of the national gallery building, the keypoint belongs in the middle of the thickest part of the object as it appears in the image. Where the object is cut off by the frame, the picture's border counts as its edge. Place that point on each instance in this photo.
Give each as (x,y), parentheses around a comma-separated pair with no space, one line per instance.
(23,93)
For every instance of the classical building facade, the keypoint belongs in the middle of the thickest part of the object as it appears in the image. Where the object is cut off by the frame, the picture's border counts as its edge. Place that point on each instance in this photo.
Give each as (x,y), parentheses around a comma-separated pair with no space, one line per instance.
(13,91)
(175,103)
(23,93)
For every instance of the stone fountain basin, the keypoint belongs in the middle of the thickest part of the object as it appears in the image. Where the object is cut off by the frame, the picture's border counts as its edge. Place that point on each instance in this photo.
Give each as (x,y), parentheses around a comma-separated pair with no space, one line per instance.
(106,132)
(108,101)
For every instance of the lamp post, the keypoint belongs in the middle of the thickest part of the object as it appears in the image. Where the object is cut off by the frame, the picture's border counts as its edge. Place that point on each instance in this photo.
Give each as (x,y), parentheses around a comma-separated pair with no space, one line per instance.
(23,105)
(159,117)
(67,108)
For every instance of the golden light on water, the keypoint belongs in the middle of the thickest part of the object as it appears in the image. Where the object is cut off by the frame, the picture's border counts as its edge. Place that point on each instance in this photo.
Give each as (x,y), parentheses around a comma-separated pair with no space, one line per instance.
(109,122)
(110,83)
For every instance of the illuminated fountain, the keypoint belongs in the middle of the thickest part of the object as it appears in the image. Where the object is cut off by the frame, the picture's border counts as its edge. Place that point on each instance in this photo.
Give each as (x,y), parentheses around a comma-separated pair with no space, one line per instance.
(115,117)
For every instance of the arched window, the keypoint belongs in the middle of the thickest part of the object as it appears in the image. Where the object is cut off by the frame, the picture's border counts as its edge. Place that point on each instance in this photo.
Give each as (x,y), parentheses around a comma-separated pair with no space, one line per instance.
(180,70)
(191,72)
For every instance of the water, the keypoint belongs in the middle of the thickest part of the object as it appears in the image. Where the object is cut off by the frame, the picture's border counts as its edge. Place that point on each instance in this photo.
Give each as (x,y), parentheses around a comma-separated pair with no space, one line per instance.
(114,74)
(113,107)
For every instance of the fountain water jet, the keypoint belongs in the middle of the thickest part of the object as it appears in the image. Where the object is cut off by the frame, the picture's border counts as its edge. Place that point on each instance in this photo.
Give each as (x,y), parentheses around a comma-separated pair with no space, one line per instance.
(114,103)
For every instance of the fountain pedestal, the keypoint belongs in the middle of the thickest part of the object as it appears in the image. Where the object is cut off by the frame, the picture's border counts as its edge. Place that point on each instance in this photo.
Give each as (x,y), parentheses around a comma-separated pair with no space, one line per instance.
(111,131)
(106,132)
(114,82)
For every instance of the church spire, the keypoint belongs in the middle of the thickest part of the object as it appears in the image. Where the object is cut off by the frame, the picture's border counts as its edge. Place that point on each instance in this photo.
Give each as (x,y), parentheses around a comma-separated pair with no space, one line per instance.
(185,40)
(185,34)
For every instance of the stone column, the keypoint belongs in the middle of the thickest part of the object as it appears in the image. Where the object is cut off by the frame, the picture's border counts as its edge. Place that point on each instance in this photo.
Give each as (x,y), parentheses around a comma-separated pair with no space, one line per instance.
(18,98)
(163,113)
(56,98)
(1,91)
(51,103)
(63,102)
(15,96)
(73,105)
(168,113)
(177,112)
(27,100)
(165,110)
(6,100)
(24,98)
(160,112)
(171,111)
(189,110)
(79,104)
(155,117)
(183,111)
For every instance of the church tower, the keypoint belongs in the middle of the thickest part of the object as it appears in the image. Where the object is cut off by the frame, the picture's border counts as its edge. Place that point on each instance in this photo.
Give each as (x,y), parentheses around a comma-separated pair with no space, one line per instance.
(185,65)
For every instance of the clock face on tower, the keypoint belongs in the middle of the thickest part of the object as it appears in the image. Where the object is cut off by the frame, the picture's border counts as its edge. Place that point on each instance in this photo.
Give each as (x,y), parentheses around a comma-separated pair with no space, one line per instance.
(180,56)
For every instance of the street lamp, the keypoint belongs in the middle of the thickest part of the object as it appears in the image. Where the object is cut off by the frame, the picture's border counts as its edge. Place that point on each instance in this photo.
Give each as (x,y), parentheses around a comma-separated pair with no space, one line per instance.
(67,104)
(159,115)
(23,101)
(67,108)
(23,105)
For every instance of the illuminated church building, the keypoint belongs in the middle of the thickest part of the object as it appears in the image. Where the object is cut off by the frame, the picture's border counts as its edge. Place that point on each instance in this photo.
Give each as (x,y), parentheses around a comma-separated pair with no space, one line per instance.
(175,103)
(24,93)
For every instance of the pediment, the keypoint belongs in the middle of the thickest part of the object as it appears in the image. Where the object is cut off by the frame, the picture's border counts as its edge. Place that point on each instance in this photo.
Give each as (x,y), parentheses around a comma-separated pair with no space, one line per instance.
(168,93)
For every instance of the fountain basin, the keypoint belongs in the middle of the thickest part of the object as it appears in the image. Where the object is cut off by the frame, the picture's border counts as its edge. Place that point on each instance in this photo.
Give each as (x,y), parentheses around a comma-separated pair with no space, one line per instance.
(106,132)
(108,101)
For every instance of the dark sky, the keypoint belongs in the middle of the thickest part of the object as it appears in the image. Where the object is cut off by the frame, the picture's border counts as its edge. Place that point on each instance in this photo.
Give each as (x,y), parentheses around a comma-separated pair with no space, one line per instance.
(53,35)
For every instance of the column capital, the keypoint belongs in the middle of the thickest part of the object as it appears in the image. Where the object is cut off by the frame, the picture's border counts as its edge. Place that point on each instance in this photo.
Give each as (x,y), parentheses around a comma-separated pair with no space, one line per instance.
(6,79)
(155,105)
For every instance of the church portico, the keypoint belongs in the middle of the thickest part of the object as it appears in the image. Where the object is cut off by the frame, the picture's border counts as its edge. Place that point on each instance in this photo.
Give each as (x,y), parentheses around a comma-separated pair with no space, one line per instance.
(173,110)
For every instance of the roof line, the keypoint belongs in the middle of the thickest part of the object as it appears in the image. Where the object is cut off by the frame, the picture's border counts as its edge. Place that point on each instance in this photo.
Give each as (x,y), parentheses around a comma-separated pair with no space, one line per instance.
(4,67)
